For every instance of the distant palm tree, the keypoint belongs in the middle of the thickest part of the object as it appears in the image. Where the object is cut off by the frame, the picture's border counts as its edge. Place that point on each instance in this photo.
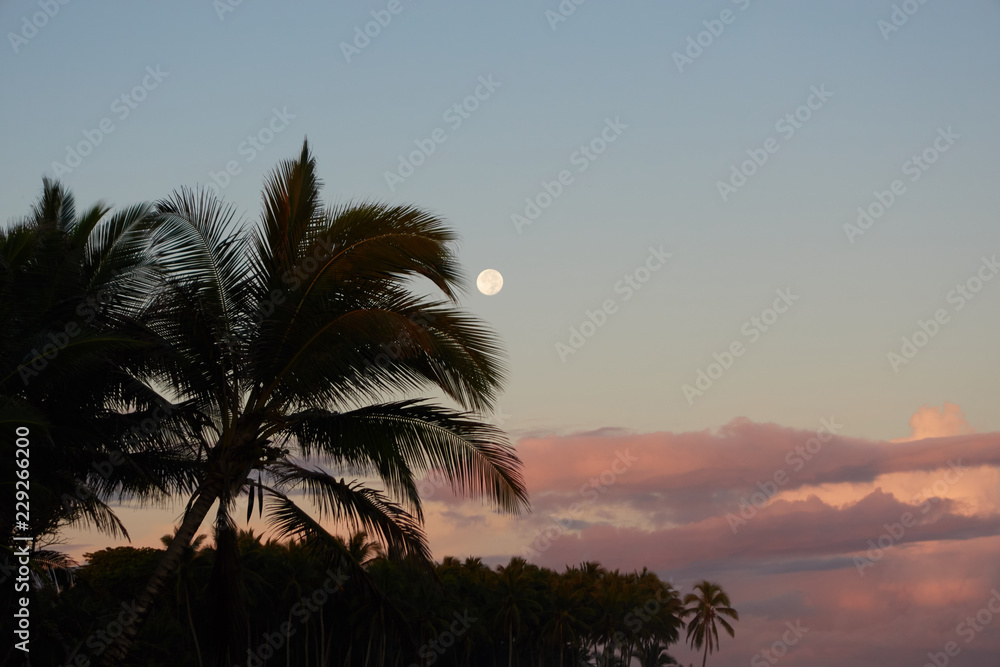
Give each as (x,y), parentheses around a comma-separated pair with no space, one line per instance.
(361,549)
(302,341)
(186,580)
(653,655)
(518,604)
(568,615)
(707,605)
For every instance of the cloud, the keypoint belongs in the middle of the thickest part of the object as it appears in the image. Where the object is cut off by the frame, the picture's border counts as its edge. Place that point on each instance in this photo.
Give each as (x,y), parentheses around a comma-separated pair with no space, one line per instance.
(680,478)
(929,422)
(814,501)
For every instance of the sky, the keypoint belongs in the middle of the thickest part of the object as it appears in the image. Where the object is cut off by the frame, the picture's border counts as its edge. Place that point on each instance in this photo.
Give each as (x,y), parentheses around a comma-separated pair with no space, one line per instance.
(727,229)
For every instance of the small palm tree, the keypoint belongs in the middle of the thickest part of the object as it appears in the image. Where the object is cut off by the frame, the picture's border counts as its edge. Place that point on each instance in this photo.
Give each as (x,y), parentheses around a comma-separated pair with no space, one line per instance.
(653,655)
(568,616)
(707,606)
(518,606)
(185,581)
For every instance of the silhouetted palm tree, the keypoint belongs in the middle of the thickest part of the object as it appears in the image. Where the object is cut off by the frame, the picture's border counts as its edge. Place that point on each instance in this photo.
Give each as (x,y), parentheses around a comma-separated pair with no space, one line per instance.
(75,365)
(186,580)
(653,655)
(292,340)
(568,615)
(518,603)
(707,606)
(74,376)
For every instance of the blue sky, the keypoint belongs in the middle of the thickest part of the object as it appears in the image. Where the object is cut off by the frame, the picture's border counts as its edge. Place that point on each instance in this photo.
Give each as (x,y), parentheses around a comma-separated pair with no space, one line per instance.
(655,185)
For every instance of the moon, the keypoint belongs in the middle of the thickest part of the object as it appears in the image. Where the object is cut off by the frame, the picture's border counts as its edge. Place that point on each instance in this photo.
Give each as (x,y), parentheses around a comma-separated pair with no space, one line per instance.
(489,282)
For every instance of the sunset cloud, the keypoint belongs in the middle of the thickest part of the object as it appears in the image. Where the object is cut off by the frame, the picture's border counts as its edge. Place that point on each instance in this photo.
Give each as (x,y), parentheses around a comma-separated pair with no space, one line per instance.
(930,422)
(838,531)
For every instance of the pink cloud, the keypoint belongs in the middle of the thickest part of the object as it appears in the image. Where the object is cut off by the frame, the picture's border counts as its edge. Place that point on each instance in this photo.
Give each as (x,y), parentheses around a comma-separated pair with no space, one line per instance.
(929,422)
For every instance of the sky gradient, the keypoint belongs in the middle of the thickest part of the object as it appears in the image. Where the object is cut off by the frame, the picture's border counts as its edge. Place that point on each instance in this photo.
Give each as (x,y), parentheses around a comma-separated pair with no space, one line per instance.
(687,275)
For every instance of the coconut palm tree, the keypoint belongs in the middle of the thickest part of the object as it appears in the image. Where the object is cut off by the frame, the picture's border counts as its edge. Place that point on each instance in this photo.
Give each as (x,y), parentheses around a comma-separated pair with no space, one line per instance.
(518,608)
(74,365)
(567,616)
(707,605)
(653,655)
(302,341)
(185,580)
(74,371)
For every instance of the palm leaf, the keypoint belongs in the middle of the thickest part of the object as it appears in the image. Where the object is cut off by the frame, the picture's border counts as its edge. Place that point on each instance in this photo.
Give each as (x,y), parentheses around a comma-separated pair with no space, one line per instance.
(397,440)
(358,506)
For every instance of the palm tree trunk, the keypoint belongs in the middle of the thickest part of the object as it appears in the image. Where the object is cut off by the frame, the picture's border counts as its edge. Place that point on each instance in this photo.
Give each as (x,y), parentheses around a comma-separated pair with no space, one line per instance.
(368,653)
(194,633)
(322,638)
(510,646)
(706,655)
(117,651)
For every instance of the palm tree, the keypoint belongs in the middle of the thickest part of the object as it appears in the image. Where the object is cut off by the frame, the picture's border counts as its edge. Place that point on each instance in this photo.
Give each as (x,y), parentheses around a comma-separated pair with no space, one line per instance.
(302,342)
(74,362)
(74,370)
(567,615)
(653,655)
(185,580)
(518,606)
(707,605)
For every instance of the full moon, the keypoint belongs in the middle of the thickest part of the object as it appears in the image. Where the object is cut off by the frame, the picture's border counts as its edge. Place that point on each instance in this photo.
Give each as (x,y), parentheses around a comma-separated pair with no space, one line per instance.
(489,282)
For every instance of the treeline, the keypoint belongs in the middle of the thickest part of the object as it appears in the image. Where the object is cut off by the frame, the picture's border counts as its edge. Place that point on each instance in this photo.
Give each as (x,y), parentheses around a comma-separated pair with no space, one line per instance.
(297,608)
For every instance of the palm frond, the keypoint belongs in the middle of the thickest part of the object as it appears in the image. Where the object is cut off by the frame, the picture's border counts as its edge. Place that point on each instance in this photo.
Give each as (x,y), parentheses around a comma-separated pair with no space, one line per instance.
(397,440)
(351,503)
